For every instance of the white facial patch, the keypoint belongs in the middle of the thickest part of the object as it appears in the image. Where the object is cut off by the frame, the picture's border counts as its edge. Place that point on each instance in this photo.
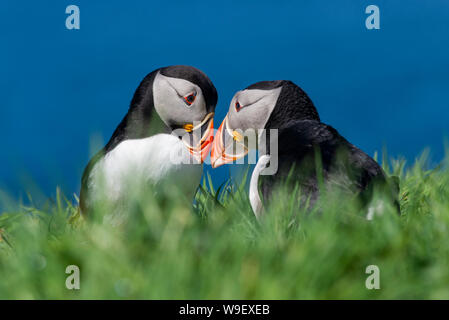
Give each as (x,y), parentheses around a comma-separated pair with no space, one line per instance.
(169,102)
(256,107)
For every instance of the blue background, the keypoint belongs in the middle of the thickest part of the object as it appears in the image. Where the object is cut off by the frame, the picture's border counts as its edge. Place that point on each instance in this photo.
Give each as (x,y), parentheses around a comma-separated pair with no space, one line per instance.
(62,92)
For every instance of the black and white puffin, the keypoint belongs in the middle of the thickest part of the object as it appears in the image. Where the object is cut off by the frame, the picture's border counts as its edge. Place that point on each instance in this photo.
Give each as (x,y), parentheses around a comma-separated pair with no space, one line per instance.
(167,132)
(284,106)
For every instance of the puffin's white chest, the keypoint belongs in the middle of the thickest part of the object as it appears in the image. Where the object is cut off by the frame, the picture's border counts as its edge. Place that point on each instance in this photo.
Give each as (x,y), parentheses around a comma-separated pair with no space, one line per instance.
(144,161)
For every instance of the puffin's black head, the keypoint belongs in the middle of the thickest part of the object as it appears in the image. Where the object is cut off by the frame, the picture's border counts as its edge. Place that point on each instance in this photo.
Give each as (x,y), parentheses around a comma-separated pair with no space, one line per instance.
(183,98)
(263,105)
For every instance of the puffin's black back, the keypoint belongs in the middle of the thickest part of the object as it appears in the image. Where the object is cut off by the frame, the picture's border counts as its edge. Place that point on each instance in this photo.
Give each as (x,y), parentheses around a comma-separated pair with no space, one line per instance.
(299,146)
(302,136)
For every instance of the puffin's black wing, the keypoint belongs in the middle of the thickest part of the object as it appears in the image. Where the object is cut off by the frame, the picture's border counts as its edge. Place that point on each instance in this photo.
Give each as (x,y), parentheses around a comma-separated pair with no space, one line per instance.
(302,145)
(84,192)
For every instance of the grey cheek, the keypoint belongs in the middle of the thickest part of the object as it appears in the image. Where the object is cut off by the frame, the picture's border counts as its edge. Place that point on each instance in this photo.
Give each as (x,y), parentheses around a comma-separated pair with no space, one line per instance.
(233,121)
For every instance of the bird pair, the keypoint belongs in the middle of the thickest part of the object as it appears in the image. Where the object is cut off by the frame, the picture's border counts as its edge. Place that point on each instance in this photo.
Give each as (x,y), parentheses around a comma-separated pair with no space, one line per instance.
(168,132)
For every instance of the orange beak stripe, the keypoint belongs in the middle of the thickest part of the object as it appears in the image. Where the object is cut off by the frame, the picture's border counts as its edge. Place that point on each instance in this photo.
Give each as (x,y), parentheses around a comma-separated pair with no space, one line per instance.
(218,154)
(205,144)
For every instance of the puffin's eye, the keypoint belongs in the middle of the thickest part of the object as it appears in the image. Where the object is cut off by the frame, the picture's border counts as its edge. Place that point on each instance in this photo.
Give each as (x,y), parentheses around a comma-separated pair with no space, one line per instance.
(189,99)
(237,106)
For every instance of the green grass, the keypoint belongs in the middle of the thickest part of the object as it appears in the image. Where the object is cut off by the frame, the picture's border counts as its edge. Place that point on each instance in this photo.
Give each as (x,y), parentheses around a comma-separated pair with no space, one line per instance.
(218,250)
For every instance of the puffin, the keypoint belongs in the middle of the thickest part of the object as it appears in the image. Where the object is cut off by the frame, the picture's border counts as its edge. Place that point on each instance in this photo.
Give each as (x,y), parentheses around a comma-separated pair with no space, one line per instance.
(165,136)
(280,121)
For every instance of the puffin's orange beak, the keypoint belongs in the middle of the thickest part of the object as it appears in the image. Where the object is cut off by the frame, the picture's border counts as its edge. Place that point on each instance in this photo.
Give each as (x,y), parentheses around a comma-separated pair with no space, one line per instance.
(205,144)
(222,149)
(201,149)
